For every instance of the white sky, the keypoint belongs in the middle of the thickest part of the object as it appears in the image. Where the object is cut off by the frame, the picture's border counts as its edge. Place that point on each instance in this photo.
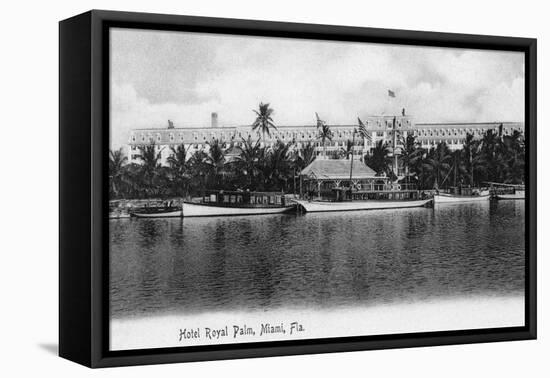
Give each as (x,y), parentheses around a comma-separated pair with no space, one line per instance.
(184,77)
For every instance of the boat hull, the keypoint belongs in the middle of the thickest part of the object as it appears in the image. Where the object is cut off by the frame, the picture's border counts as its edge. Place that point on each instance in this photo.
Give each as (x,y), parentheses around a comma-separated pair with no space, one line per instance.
(168,214)
(322,206)
(438,198)
(191,209)
(119,215)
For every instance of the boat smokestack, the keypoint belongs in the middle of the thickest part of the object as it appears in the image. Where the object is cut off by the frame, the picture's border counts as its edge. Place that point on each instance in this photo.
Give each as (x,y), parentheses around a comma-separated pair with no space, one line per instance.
(214,120)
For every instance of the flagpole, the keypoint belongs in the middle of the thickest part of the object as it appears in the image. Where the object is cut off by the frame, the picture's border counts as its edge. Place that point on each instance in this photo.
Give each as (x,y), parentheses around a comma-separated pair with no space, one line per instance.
(351,164)
(394,147)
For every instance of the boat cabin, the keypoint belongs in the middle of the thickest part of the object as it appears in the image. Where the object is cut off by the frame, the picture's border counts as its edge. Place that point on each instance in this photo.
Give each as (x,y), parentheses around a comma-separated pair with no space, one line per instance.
(344,194)
(244,198)
(462,191)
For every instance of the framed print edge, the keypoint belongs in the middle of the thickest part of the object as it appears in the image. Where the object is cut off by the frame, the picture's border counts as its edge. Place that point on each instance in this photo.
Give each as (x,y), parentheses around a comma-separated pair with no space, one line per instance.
(75,211)
(83,260)
(531,239)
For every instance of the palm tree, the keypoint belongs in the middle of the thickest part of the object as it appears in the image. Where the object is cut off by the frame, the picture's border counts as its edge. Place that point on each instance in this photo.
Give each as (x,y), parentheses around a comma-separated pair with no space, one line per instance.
(199,167)
(468,149)
(459,170)
(178,168)
(263,122)
(303,156)
(514,155)
(438,163)
(347,150)
(379,159)
(514,142)
(132,184)
(150,168)
(216,160)
(325,133)
(249,159)
(279,165)
(178,159)
(515,170)
(117,160)
(410,153)
(421,170)
(299,158)
(149,157)
(491,149)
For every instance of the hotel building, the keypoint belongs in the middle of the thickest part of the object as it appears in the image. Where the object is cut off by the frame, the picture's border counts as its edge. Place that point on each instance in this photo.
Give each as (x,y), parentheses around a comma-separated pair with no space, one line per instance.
(378,127)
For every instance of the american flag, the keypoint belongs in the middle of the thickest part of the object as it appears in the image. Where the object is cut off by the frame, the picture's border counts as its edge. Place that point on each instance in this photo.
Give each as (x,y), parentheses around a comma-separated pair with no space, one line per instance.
(391,93)
(320,122)
(362,130)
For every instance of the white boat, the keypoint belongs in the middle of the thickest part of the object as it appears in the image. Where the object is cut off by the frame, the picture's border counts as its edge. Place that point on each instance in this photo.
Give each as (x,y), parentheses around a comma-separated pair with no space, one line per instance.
(457,198)
(119,215)
(158,212)
(517,195)
(191,209)
(323,206)
(226,203)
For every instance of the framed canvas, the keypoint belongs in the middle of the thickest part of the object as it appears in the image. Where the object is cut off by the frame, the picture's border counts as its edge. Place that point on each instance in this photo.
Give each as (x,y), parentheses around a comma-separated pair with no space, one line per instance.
(235,188)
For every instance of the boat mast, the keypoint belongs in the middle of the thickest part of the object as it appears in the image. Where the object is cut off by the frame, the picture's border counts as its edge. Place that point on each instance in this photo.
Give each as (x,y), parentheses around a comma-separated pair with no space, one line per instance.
(394,148)
(471,168)
(351,164)
(456,167)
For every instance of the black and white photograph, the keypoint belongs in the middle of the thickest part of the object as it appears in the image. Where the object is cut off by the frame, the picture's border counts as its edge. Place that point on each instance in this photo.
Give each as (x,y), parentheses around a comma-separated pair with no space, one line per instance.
(240,189)
(274,189)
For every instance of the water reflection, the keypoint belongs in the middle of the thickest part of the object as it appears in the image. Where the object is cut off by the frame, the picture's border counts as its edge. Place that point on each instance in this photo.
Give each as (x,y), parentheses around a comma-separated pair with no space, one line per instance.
(320,260)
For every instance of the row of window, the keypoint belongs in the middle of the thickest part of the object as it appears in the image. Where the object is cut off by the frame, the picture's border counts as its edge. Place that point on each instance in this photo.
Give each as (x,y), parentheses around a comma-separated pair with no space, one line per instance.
(433,142)
(276,134)
(341,134)
(457,132)
(311,135)
(157,146)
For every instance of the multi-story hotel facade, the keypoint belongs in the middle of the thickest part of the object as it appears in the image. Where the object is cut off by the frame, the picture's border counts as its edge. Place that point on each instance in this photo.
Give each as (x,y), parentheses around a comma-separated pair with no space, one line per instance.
(378,127)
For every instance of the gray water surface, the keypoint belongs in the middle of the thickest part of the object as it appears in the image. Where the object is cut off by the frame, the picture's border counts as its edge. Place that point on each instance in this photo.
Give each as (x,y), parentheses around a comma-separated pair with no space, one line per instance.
(317,260)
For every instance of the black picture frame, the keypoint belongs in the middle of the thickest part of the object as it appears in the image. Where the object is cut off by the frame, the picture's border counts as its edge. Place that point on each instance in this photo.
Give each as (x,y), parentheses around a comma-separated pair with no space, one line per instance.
(83,151)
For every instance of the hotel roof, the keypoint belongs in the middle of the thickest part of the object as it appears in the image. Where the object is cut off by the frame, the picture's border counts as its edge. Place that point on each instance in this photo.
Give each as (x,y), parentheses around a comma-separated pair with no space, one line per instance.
(332,169)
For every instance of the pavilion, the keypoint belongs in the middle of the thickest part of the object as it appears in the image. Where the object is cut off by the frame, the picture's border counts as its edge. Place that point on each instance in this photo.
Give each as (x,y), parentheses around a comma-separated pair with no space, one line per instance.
(324,177)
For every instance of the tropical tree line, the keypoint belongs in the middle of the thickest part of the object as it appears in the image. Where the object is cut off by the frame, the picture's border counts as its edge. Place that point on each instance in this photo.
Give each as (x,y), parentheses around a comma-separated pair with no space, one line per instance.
(252,165)
(492,158)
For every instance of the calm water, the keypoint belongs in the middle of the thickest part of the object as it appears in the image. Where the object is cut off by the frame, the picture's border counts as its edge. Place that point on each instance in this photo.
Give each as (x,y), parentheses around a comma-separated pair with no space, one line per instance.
(316,260)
